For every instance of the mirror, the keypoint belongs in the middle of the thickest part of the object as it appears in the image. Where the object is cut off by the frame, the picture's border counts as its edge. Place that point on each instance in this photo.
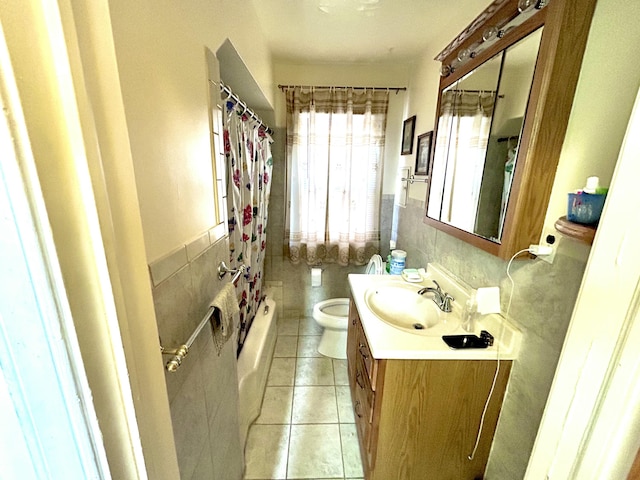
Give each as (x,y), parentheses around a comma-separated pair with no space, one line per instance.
(478,133)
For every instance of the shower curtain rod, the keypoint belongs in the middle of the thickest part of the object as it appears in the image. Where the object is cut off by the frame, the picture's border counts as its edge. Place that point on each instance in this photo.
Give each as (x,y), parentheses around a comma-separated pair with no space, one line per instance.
(388,89)
(227,90)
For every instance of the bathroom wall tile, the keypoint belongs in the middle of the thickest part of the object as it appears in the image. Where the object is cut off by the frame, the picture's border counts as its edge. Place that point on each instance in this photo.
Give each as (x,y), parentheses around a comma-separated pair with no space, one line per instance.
(315,452)
(224,444)
(218,372)
(291,313)
(314,405)
(276,406)
(266,452)
(173,301)
(340,372)
(308,346)
(190,432)
(351,451)
(282,372)
(286,346)
(204,468)
(198,245)
(314,371)
(345,404)
(204,277)
(166,266)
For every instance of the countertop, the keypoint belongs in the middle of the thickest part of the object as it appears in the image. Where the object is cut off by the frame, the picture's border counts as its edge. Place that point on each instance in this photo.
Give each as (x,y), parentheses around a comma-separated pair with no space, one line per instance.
(387,341)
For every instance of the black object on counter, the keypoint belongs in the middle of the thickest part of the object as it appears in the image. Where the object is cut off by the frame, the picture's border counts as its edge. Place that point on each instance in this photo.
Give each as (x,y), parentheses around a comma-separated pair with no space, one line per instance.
(469,341)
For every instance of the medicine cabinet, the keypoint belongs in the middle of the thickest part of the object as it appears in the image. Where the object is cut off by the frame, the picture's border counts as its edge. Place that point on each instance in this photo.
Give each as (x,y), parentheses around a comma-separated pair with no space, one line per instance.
(505,96)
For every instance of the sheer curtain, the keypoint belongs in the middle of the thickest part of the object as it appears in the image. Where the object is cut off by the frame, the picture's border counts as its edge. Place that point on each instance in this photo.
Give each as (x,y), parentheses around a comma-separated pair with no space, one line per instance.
(463,128)
(247,148)
(335,146)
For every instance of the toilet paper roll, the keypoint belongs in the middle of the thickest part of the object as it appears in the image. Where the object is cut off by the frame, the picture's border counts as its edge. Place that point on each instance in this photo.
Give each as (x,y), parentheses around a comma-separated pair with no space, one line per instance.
(316,277)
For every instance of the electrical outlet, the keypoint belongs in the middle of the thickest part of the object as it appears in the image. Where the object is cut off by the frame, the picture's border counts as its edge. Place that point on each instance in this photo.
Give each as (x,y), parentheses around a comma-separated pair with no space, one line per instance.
(549,238)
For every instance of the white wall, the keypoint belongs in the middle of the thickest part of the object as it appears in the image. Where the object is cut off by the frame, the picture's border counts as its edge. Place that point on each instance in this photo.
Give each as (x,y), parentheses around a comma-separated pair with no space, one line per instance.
(606,89)
(160,47)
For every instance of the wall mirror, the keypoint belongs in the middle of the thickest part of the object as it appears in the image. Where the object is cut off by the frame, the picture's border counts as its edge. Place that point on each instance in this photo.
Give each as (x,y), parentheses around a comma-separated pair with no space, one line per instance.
(478,133)
(505,96)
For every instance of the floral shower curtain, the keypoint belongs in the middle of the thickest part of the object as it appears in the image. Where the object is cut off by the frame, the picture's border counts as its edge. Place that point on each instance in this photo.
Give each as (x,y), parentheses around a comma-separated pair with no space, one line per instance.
(247,148)
(335,148)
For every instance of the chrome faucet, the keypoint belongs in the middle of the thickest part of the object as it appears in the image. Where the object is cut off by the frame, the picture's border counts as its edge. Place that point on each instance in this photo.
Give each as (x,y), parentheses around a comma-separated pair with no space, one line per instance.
(441,299)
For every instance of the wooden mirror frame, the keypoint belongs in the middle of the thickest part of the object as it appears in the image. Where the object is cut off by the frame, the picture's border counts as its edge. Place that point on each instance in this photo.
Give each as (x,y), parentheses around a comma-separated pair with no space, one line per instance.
(566,27)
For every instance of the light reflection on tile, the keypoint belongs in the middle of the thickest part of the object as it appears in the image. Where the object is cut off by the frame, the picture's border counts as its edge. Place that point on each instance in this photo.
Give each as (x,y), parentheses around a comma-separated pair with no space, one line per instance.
(314,371)
(314,405)
(308,345)
(266,452)
(315,452)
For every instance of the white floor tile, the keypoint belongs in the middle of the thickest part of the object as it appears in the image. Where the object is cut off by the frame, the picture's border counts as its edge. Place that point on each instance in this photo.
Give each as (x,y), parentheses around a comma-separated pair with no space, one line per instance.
(308,345)
(314,405)
(276,406)
(282,372)
(308,326)
(350,450)
(340,372)
(314,371)
(266,452)
(345,406)
(286,346)
(288,326)
(315,452)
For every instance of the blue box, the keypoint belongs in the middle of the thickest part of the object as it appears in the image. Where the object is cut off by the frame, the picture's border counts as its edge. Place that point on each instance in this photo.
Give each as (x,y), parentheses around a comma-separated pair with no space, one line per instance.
(585,208)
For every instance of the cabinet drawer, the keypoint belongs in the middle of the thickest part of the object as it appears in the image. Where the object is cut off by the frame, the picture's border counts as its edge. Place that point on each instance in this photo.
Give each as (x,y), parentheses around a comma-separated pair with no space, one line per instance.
(370,363)
(364,393)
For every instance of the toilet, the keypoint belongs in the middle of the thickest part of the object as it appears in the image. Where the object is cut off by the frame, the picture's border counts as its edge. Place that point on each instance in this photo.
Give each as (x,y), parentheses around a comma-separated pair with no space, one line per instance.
(332,315)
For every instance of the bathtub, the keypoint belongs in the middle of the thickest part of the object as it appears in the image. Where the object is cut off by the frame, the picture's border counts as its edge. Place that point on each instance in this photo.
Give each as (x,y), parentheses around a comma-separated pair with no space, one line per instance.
(253,365)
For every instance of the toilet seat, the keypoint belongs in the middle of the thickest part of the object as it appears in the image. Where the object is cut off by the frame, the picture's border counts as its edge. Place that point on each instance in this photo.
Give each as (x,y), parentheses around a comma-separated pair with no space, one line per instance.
(332,313)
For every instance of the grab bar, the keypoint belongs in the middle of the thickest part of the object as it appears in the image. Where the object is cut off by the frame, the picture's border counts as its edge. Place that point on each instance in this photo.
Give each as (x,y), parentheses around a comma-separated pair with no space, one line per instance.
(412,179)
(236,272)
(180,352)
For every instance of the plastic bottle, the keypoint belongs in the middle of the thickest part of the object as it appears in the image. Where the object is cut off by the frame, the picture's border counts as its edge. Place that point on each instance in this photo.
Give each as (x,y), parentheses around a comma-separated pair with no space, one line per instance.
(398,260)
(470,313)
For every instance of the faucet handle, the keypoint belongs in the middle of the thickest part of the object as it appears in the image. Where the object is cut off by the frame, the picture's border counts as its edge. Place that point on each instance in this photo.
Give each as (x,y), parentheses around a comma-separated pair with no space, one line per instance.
(446,302)
(437,286)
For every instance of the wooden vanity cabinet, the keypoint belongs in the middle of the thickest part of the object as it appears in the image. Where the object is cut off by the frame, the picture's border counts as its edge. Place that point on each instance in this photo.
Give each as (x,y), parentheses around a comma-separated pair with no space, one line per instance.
(418,419)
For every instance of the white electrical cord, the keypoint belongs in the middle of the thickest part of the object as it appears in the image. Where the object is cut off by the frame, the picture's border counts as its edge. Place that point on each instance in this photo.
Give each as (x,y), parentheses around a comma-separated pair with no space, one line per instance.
(495,376)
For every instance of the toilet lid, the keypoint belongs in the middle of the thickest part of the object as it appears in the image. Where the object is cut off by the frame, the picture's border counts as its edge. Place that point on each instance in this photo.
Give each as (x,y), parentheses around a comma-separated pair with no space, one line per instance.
(374,267)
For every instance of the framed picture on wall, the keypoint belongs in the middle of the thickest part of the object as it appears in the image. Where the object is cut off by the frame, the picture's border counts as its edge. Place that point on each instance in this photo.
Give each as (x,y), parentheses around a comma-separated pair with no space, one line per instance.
(423,153)
(408,130)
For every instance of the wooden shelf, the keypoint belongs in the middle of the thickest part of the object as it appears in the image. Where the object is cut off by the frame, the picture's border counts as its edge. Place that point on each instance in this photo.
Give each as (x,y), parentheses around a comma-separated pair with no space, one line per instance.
(584,233)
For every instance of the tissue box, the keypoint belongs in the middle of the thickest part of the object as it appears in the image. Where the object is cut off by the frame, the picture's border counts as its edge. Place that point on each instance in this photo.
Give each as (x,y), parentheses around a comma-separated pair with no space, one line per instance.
(585,208)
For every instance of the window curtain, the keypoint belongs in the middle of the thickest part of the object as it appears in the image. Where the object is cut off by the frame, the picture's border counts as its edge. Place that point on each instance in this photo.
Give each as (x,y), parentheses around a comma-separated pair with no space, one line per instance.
(463,129)
(335,147)
(247,151)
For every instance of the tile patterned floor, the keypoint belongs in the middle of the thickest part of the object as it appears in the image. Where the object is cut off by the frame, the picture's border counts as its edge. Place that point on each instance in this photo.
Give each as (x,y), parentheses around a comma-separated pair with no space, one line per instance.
(306,429)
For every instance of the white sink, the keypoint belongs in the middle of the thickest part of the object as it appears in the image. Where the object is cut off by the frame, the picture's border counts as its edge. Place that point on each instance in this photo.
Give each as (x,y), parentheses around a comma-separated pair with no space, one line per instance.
(400,306)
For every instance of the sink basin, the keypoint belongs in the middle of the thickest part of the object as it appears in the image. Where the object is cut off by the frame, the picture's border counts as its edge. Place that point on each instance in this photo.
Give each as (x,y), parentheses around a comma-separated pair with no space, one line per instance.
(400,306)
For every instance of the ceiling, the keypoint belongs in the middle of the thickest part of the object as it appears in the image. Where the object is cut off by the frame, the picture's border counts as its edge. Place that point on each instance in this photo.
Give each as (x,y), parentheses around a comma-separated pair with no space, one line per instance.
(361,31)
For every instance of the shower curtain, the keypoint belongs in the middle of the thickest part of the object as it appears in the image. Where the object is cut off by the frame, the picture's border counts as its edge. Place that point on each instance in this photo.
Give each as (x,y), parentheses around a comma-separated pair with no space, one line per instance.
(247,148)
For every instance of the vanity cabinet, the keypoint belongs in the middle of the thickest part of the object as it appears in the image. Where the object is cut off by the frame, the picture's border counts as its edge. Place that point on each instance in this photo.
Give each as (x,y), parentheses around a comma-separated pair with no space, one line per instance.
(418,419)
